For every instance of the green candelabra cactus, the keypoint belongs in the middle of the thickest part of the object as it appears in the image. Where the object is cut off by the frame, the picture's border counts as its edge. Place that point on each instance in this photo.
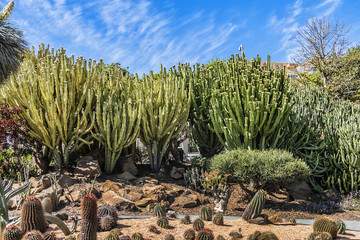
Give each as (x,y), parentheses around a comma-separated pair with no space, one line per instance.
(250,103)
(203,82)
(165,110)
(118,114)
(56,95)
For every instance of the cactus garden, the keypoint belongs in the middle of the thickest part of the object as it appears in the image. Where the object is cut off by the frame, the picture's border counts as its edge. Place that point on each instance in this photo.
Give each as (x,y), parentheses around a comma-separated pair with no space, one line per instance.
(89,150)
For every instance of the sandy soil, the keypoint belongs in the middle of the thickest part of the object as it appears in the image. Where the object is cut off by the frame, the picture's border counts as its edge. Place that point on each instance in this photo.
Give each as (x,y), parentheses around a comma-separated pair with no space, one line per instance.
(283,231)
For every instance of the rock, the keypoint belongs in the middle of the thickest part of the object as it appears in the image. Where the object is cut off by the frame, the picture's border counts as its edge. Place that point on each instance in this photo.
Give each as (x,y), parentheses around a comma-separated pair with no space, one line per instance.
(144,180)
(11,204)
(33,182)
(112,199)
(75,196)
(98,155)
(87,167)
(133,196)
(188,201)
(126,176)
(144,202)
(150,189)
(299,190)
(174,192)
(176,174)
(65,181)
(38,190)
(128,165)
(62,216)
(45,182)
(261,220)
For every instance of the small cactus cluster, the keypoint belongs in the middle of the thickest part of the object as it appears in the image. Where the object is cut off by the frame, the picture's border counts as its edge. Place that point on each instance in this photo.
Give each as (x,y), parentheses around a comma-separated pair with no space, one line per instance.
(153,229)
(255,206)
(137,236)
(218,219)
(206,213)
(186,220)
(163,222)
(205,234)
(159,211)
(189,234)
(263,236)
(324,224)
(198,224)
(169,237)
(107,217)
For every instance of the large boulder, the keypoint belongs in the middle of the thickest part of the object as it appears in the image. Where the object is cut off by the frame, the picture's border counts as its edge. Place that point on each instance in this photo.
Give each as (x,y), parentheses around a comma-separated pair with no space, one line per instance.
(128,165)
(98,155)
(121,204)
(176,173)
(299,191)
(188,201)
(87,167)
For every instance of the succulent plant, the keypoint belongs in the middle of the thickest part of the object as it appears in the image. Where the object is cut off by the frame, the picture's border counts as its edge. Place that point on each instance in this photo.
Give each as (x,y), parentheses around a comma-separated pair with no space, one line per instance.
(125,237)
(198,224)
(107,210)
(255,206)
(111,236)
(275,219)
(267,236)
(116,231)
(137,236)
(324,224)
(12,232)
(205,234)
(89,218)
(254,236)
(33,235)
(235,235)
(189,234)
(320,236)
(50,235)
(169,237)
(206,213)
(106,223)
(218,219)
(159,211)
(163,222)
(153,229)
(220,237)
(32,215)
(340,226)
(186,220)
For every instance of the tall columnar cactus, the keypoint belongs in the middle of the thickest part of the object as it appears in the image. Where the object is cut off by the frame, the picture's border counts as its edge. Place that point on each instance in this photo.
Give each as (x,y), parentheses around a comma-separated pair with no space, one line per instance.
(324,224)
(32,215)
(256,205)
(56,95)
(202,80)
(12,232)
(118,114)
(89,218)
(250,104)
(165,110)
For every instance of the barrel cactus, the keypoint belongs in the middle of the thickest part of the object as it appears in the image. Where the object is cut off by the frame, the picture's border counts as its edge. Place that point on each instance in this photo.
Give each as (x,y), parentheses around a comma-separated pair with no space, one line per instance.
(12,232)
(189,234)
(268,236)
(137,236)
(33,235)
(107,210)
(218,219)
(198,224)
(107,223)
(220,237)
(89,223)
(324,224)
(340,225)
(186,220)
(32,215)
(50,236)
(159,211)
(255,235)
(235,235)
(206,213)
(153,229)
(163,222)
(255,206)
(205,234)
(169,237)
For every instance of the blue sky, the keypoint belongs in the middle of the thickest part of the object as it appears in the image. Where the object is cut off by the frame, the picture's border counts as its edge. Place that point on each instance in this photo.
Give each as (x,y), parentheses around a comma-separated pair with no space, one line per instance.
(143,34)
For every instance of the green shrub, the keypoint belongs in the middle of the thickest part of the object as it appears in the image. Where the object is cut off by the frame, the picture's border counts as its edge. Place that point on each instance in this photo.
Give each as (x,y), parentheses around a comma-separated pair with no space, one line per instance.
(267,168)
(12,166)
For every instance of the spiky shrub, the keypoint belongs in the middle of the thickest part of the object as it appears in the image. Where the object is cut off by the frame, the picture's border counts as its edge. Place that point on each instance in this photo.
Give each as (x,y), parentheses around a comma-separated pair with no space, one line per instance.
(189,234)
(198,224)
(169,237)
(89,220)
(235,235)
(340,226)
(275,219)
(186,220)
(165,110)
(50,236)
(250,104)
(32,215)
(205,213)
(137,236)
(107,210)
(218,219)
(256,205)
(205,234)
(125,237)
(203,82)
(12,44)
(268,236)
(33,235)
(255,235)
(324,224)
(163,222)
(106,223)
(159,211)
(153,229)
(116,232)
(220,237)
(12,232)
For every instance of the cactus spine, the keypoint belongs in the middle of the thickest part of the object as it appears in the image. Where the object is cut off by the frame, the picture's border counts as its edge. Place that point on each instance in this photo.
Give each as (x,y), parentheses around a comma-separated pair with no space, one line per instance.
(165,110)
(198,224)
(255,206)
(32,215)
(206,213)
(189,234)
(89,218)
(250,104)
(159,211)
(12,232)
(324,224)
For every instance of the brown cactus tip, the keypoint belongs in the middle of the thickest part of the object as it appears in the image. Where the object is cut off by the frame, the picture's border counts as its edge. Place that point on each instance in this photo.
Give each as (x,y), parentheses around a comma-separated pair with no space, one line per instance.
(90,195)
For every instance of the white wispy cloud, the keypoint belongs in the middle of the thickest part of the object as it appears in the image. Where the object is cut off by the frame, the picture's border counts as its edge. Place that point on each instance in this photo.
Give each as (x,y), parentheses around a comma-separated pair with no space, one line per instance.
(133,33)
(327,7)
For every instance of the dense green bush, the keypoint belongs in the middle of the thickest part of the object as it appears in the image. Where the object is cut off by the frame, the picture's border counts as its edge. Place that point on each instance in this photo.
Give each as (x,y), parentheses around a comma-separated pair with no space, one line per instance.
(12,166)
(266,168)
